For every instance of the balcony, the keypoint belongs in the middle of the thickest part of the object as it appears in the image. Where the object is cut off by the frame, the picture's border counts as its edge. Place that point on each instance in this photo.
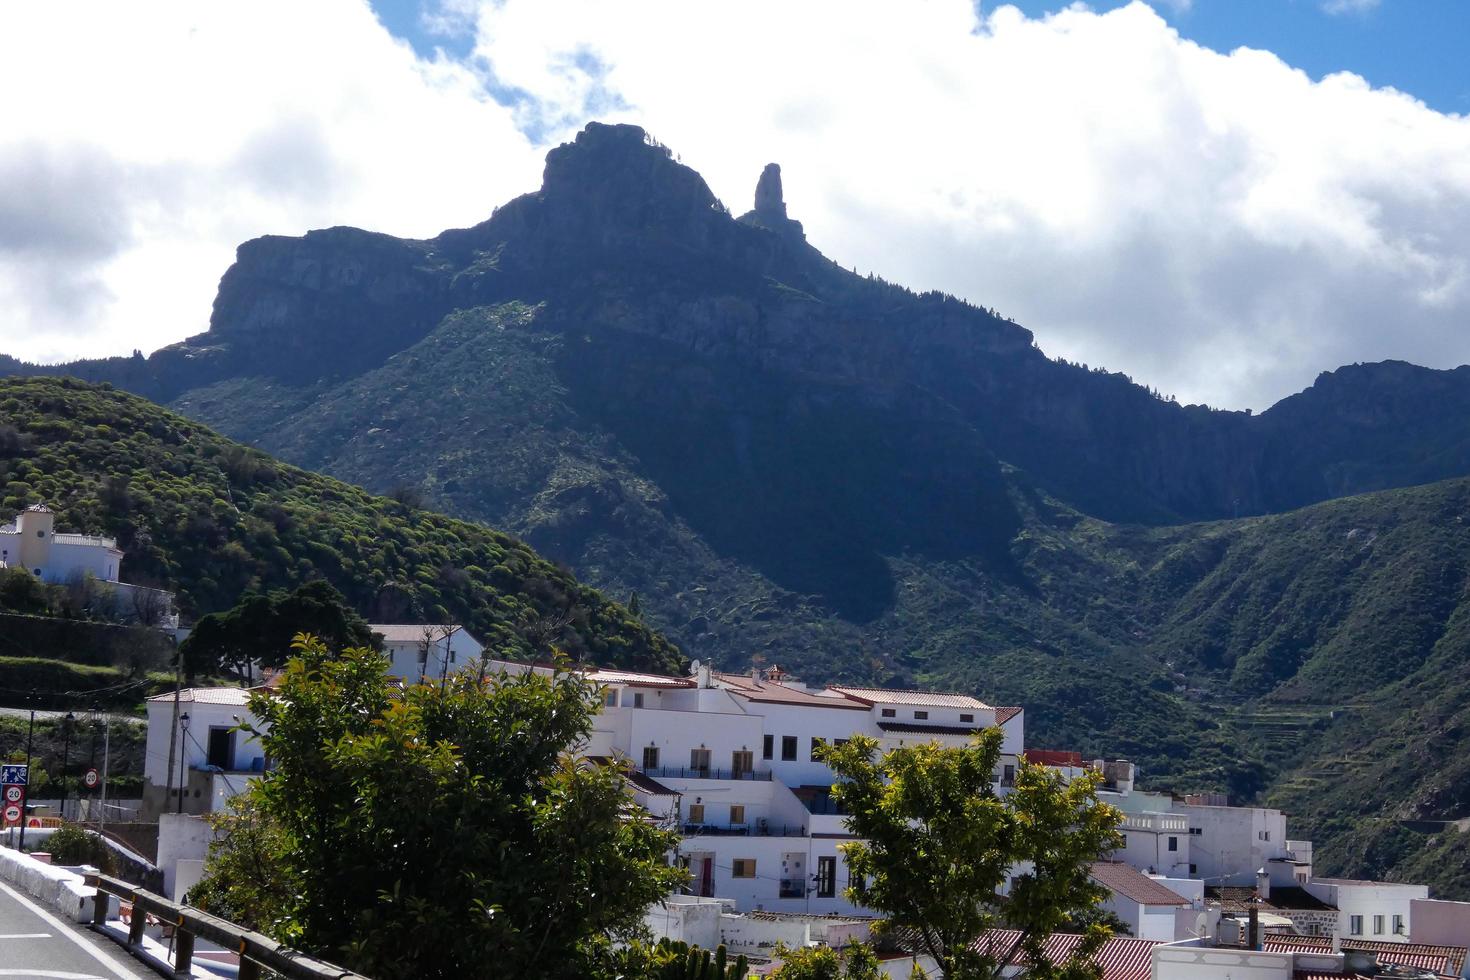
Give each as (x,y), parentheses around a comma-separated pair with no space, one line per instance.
(675,772)
(1156,823)
(758,829)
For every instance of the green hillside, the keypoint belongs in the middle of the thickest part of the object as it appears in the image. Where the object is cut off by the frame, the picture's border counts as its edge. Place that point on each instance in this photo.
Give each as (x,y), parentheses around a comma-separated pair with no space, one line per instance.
(209,518)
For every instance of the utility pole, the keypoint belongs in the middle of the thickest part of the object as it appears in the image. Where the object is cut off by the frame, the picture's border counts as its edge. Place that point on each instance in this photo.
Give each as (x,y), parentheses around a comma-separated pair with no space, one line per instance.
(65,757)
(30,732)
(106,757)
(168,781)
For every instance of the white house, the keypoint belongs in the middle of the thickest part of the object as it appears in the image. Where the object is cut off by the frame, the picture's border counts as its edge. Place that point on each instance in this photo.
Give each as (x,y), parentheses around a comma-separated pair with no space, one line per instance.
(31,542)
(1148,907)
(212,759)
(1229,844)
(1376,910)
(416,652)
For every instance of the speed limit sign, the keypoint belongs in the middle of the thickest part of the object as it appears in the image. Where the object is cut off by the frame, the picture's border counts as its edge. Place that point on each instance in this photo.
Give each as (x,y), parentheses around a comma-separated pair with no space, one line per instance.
(12,813)
(14,794)
(90,779)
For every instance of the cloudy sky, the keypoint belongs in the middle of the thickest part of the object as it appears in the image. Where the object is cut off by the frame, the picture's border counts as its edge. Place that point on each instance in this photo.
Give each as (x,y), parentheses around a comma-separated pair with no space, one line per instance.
(1221,198)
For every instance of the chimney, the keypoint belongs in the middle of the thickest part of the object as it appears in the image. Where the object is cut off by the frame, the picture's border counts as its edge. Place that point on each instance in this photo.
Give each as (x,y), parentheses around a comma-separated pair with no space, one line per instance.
(1263,883)
(704,676)
(1253,935)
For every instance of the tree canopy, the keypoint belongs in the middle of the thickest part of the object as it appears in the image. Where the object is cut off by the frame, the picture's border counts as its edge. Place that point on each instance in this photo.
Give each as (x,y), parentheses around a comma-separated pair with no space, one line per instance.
(938,845)
(260,627)
(437,831)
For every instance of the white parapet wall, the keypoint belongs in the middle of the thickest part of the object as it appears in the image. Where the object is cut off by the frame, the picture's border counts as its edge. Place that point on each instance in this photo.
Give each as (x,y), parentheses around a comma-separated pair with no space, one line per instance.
(60,888)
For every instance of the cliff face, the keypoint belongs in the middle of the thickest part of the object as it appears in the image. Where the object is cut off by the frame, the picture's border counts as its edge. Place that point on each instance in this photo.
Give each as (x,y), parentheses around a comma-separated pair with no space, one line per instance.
(684,312)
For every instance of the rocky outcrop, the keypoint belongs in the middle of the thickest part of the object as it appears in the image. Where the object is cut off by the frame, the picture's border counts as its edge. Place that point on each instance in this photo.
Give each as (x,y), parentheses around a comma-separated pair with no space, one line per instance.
(770,206)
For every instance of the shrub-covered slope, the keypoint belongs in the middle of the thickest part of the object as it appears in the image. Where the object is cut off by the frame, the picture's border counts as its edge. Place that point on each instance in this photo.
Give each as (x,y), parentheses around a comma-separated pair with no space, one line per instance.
(210,518)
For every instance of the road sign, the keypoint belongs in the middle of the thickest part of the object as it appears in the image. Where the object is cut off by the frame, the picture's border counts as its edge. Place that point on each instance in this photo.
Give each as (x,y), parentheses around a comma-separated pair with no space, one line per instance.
(15,774)
(12,814)
(14,794)
(90,779)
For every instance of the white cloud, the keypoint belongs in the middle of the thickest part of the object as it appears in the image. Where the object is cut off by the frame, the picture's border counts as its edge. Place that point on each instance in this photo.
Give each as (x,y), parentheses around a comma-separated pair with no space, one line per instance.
(1219,226)
(1336,7)
(140,144)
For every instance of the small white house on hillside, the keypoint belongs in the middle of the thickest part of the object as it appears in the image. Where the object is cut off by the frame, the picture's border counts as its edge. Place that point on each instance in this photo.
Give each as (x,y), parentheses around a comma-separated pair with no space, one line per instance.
(417,651)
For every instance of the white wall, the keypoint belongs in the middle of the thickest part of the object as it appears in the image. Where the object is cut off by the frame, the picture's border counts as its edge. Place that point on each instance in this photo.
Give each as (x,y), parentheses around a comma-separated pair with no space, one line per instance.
(1229,848)
(67,560)
(180,837)
(763,891)
(1369,899)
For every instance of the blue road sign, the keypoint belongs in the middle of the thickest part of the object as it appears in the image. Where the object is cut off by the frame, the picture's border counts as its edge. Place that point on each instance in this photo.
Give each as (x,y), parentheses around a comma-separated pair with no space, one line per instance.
(13,775)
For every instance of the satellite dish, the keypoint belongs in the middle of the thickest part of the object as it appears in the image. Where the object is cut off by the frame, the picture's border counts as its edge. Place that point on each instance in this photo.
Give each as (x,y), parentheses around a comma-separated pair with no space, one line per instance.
(694,666)
(1201,925)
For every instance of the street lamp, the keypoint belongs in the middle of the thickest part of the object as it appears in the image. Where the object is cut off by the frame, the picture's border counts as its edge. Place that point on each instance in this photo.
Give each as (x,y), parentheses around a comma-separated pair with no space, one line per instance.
(65,756)
(183,758)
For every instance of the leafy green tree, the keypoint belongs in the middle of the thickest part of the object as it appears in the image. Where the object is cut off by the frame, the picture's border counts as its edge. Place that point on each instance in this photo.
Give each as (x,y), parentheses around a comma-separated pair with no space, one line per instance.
(436,832)
(937,844)
(857,962)
(260,627)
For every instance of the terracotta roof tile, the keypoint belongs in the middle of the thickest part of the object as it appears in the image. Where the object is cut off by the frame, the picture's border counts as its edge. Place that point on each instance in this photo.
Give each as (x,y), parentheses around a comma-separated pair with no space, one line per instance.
(1134,884)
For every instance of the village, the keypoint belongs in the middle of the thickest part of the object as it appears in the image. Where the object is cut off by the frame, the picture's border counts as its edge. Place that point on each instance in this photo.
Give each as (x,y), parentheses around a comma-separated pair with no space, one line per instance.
(1200,888)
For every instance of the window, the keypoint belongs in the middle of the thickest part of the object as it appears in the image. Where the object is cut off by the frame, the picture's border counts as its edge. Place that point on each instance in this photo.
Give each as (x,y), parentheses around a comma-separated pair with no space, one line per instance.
(1196,831)
(921,715)
(1378,925)
(1263,835)
(970,718)
(1194,869)
(743,868)
(826,877)
(650,757)
(1398,925)
(768,749)
(696,813)
(1008,775)
(610,698)
(817,743)
(637,699)
(888,713)
(699,759)
(1173,843)
(1355,925)
(788,748)
(741,762)
(737,814)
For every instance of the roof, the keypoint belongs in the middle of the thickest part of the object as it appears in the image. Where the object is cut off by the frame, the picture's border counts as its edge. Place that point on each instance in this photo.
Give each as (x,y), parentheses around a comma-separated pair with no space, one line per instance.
(1447,960)
(1289,898)
(1121,957)
(635,679)
(412,632)
(766,692)
(635,778)
(933,699)
(1052,757)
(1003,715)
(1134,884)
(904,728)
(237,696)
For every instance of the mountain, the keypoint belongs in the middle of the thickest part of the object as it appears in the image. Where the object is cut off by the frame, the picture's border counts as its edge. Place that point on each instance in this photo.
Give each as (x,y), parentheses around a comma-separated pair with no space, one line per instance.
(209,518)
(783,459)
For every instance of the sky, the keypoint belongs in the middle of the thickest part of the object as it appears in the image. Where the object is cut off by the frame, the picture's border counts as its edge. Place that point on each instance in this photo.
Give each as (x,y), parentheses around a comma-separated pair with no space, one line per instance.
(1220,198)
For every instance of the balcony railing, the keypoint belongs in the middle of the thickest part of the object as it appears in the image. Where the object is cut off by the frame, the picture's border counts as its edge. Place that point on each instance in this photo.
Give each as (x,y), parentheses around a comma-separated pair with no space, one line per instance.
(1167,823)
(758,829)
(675,772)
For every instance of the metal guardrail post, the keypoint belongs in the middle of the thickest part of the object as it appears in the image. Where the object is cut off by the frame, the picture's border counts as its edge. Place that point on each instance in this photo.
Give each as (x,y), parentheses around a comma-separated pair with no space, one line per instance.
(256,951)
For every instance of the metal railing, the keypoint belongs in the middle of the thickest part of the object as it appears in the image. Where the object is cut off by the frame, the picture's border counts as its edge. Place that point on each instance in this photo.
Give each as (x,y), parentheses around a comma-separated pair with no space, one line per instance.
(676,772)
(758,829)
(256,951)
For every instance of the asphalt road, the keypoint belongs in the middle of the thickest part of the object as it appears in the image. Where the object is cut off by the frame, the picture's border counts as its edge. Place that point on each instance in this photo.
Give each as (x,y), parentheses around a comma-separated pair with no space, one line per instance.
(36,942)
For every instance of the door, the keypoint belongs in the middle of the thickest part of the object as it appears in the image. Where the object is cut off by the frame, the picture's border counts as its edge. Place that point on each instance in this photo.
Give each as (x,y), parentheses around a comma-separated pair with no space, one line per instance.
(222,748)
